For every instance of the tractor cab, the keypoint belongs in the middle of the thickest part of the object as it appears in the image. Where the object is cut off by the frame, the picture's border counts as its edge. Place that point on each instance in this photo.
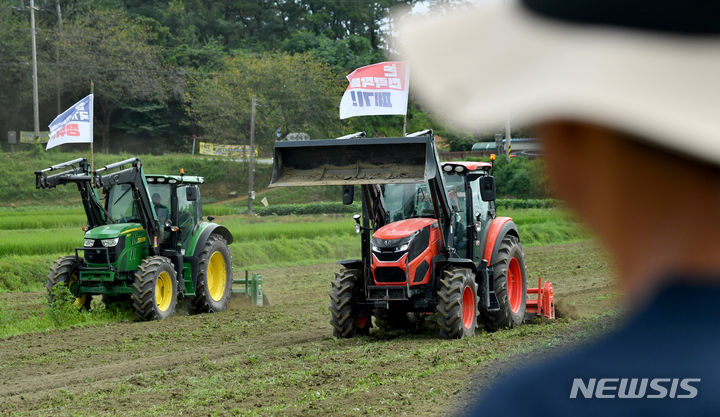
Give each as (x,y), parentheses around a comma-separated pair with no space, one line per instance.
(176,200)
(403,249)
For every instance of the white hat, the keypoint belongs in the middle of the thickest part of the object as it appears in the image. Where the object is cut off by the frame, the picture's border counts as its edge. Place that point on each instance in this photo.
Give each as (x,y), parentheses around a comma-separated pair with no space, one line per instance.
(531,61)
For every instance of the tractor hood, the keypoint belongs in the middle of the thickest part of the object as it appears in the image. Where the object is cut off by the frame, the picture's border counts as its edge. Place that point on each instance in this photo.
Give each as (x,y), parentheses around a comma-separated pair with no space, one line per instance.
(402,228)
(109,231)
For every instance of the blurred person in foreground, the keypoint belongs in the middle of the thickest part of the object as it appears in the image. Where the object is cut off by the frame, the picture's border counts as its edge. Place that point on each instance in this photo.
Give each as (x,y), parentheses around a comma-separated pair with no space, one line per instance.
(625,96)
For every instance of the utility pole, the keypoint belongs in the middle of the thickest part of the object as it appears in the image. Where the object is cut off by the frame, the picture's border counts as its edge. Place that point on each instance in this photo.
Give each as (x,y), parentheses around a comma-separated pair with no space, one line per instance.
(251,175)
(507,137)
(34,67)
(57,56)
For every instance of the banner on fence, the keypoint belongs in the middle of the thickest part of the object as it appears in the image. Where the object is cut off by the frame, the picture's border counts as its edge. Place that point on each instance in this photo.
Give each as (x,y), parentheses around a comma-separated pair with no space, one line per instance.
(29,137)
(378,89)
(228,151)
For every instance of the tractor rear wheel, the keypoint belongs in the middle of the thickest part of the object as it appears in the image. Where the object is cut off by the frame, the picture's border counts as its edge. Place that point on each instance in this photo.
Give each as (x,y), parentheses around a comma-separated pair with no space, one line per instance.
(215,275)
(65,272)
(345,290)
(155,289)
(458,307)
(510,286)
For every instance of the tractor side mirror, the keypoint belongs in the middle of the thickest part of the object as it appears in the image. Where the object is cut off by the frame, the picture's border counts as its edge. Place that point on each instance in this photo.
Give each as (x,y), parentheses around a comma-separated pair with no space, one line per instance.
(191,193)
(487,188)
(348,194)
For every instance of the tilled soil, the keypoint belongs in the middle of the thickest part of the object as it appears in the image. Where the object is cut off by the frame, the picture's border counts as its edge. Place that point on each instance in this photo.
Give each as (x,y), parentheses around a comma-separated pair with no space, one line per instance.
(281,360)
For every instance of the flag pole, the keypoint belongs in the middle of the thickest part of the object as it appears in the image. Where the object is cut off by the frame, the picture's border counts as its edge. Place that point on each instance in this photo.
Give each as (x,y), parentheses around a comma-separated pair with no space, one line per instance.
(92,115)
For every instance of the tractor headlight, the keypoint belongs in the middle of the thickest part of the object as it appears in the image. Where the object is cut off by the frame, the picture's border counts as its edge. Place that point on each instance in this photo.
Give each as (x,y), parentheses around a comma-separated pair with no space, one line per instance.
(89,243)
(397,245)
(109,243)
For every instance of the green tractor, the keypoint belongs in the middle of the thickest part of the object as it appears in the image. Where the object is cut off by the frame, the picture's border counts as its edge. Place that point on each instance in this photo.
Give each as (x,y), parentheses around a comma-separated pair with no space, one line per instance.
(146,244)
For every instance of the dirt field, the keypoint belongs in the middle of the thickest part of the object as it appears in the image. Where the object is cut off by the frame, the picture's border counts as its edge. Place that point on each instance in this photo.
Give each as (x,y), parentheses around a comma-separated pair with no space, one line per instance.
(281,360)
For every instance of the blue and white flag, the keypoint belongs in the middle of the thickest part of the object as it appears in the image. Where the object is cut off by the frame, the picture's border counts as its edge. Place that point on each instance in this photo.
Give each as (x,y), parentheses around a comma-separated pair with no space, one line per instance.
(74,125)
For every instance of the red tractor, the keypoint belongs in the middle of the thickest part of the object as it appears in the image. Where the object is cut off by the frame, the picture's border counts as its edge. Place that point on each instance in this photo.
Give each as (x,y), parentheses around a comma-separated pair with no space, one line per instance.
(431,240)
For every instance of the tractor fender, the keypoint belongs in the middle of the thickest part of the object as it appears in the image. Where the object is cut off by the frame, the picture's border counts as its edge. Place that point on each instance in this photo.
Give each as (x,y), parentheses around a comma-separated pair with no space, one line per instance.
(499,227)
(441,262)
(463,263)
(351,263)
(211,228)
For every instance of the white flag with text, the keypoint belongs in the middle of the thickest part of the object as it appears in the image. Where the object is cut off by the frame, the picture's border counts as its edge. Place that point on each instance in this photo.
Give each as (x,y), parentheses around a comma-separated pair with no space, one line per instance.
(74,125)
(378,89)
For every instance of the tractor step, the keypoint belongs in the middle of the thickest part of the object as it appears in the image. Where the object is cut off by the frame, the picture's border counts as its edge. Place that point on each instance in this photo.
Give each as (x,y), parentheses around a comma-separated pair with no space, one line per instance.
(252,287)
(544,303)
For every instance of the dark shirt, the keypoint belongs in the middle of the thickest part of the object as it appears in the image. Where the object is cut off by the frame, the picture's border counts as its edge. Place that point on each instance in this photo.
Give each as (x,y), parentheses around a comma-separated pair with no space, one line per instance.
(671,344)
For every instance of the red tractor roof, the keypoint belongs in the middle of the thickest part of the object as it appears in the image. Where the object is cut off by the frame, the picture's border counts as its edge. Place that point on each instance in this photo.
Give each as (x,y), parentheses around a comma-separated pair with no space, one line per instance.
(469,166)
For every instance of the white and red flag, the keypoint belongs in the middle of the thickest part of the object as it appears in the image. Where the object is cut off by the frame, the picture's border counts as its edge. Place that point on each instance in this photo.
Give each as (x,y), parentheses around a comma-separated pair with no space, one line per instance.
(378,89)
(74,125)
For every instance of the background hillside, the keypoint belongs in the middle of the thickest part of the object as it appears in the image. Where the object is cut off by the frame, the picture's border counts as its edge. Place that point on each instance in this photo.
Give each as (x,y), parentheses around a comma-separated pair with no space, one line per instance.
(167,71)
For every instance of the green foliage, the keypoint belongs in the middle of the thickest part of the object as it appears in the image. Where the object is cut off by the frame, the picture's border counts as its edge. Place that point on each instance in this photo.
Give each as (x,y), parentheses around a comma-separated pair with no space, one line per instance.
(295,93)
(17,179)
(308,208)
(26,272)
(521,178)
(39,316)
(115,52)
(514,203)
(303,251)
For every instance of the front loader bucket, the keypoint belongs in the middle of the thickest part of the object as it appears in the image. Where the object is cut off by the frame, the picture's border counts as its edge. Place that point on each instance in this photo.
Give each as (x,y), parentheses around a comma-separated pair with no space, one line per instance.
(353,161)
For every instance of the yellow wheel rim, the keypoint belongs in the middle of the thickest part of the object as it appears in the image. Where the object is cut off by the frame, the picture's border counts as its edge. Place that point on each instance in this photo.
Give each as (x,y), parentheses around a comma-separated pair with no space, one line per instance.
(163,291)
(216,276)
(79,302)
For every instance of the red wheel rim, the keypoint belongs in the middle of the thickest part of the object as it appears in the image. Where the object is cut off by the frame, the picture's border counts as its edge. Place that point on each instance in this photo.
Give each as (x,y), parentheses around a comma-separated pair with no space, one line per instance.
(514,287)
(468,307)
(361,322)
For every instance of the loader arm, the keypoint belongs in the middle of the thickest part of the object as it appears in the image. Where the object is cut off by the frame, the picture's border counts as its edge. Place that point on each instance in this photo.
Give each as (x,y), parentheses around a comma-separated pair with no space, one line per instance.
(135,177)
(368,162)
(79,174)
(373,199)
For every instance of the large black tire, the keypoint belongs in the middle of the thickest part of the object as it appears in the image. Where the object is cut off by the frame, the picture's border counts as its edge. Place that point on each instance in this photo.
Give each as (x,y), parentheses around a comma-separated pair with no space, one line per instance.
(345,321)
(458,306)
(65,271)
(155,289)
(509,263)
(215,276)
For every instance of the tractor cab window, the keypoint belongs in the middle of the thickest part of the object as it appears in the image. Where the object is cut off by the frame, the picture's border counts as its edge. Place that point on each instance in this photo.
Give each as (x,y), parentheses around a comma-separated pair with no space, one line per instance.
(455,185)
(121,205)
(160,197)
(479,206)
(187,212)
(404,201)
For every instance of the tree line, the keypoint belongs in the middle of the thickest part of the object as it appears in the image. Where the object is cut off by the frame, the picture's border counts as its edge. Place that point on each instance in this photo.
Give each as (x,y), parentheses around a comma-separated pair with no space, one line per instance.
(165,72)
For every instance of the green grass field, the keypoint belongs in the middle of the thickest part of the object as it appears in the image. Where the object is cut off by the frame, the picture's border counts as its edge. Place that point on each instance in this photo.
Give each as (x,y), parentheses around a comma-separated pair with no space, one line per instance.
(33,237)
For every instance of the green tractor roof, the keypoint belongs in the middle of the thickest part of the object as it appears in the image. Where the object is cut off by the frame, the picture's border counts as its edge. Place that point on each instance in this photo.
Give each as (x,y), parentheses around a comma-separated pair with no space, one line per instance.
(173,179)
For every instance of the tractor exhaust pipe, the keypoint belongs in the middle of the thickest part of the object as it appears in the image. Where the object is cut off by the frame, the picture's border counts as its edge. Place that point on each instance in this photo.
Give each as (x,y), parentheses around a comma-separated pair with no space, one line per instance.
(353,161)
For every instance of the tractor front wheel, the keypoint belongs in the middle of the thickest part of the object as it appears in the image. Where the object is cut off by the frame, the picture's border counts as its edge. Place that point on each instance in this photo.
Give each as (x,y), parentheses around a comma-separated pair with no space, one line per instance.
(458,306)
(510,284)
(63,275)
(215,275)
(155,289)
(345,290)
